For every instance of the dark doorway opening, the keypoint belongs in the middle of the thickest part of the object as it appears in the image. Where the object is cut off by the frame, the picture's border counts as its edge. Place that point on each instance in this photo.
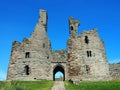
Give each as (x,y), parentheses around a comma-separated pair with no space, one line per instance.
(59,68)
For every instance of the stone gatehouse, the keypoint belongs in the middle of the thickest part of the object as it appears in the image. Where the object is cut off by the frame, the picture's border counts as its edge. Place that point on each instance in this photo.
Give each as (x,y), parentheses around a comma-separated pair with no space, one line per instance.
(84,59)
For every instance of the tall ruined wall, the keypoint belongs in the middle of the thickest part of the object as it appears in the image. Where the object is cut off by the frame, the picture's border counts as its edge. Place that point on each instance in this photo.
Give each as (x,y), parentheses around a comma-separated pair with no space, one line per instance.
(30,60)
(73,65)
(86,55)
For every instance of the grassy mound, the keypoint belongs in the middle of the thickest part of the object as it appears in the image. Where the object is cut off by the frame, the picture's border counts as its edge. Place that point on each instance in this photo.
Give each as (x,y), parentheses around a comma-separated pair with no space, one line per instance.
(107,85)
(26,85)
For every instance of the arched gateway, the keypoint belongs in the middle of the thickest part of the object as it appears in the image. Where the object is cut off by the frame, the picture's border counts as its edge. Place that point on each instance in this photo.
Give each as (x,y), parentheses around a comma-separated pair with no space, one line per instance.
(58,68)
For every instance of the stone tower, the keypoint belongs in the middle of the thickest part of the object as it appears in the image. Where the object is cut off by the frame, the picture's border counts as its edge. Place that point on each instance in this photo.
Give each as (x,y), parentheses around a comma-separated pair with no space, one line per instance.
(86,55)
(84,59)
(30,59)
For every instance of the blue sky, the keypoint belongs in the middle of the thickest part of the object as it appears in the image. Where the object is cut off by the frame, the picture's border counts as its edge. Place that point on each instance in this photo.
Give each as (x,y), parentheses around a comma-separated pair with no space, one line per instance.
(19,17)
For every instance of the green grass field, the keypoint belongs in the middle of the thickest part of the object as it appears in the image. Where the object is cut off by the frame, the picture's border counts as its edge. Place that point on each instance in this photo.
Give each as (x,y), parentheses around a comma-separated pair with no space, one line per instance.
(107,85)
(26,85)
(47,85)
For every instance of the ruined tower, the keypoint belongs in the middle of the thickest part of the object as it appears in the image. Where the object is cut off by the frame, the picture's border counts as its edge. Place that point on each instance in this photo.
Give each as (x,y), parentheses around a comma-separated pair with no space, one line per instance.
(86,55)
(30,59)
(84,59)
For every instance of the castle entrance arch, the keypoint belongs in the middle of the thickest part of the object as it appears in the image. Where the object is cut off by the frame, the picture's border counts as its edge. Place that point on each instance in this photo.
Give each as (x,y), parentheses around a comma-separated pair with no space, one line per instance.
(56,69)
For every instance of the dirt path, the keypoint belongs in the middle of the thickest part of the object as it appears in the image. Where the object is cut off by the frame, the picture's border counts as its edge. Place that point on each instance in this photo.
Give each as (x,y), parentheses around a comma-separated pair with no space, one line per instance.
(58,85)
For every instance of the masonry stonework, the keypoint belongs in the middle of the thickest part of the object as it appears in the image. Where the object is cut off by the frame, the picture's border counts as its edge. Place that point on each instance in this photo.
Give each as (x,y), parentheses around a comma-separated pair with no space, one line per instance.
(84,59)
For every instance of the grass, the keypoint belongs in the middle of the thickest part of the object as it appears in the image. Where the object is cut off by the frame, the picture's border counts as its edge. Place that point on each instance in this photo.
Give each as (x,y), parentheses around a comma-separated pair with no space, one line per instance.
(26,85)
(47,85)
(106,85)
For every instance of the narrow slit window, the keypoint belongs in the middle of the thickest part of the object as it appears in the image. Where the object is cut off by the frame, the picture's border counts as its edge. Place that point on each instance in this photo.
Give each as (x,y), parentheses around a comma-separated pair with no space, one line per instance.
(27,70)
(89,53)
(43,45)
(27,55)
(86,40)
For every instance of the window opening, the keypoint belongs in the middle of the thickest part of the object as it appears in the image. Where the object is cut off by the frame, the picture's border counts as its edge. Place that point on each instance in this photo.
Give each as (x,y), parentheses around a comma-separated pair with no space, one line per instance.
(89,53)
(86,40)
(27,69)
(71,27)
(27,55)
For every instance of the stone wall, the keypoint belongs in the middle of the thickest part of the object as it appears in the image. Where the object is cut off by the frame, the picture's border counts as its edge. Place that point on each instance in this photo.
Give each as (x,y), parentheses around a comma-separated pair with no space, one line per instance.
(60,59)
(86,55)
(59,56)
(115,71)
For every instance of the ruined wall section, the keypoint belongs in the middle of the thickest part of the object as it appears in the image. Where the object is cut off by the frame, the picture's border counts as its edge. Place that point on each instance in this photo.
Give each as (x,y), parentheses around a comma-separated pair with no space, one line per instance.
(95,64)
(30,60)
(59,56)
(74,68)
(86,56)
(115,71)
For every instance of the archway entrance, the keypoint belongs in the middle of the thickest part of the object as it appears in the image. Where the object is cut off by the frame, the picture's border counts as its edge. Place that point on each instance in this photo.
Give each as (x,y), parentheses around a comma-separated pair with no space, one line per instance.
(59,68)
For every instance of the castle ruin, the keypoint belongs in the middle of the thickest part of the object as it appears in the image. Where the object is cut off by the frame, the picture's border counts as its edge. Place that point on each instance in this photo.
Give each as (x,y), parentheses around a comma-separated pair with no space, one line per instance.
(33,59)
